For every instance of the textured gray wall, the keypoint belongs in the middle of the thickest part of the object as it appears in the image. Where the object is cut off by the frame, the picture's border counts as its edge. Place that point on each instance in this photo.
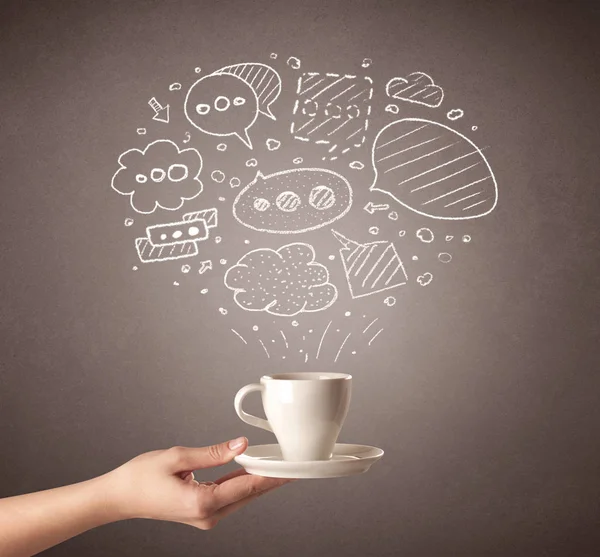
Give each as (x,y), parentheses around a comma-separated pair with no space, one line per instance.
(483,386)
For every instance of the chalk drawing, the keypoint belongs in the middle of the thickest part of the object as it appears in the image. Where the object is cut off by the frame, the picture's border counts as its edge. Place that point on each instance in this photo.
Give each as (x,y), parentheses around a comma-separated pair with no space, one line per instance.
(222,147)
(161,113)
(283,282)
(416,87)
(272,144)
(341,347)
(455,114)
(321,341)
(264,348)
(474,128)
(371,267)
(141,131)
(235,182)
(175,87)
(392,109)
(371,323)
(295,323)
(390,301)
(293,201)
(458,184)
(149,253)
(425,235)
(273,55)
(375,336)
(197,69)
(371,207)
(223,311)
(331,257)
(128,222)
(298,160)
(356,165)
(204,291)
(401,233)
(425,279)
(466,238)
(284,339)
(445,257)
(218,176)
(332,110)
(185,268)
(205,266)
(251,162)
(448,238)
(294,63)
(218,240)
(374,230)
(366,62)
(180,168)
(239,336)
(175,283)
(393,215)
(187,137)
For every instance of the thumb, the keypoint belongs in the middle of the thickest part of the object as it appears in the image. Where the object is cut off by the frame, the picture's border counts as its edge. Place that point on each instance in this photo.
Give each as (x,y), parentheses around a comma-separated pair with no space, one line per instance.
(191,458)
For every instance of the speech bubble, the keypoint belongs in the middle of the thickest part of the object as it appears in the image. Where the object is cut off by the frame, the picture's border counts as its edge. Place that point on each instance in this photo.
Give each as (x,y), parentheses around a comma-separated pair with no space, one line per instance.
(264,81)
(222,105)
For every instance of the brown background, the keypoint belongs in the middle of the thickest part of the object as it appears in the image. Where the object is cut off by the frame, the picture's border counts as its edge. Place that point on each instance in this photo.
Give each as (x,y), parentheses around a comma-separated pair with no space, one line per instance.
(483,388)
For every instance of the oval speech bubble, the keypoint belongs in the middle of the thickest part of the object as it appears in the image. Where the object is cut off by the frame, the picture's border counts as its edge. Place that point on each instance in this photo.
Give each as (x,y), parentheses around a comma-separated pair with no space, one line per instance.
(222,105)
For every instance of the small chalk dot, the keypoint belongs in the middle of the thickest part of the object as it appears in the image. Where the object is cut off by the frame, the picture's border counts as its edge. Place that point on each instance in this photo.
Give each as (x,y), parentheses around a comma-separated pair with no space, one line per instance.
(347,314)
(204,291)
(255,328)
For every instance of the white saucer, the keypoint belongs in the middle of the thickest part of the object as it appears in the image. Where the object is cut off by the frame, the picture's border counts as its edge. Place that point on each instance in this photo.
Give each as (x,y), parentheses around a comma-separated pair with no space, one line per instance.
(266,460)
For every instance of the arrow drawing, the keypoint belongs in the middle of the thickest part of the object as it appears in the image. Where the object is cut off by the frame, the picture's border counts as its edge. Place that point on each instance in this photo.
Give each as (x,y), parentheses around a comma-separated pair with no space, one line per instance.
(161,112)
(371,207)
(205,266)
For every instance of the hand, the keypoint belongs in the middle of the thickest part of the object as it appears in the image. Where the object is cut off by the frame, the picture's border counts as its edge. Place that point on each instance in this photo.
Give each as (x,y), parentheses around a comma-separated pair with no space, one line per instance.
(160,485)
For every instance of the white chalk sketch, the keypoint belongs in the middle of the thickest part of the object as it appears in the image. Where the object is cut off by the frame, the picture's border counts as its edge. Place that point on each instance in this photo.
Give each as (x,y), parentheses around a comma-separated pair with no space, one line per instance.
(218,240)
(455,114)
(185,268)
(474,128)
(141,131)
(375,336)
(466,238)
(425,235)
(401,233)
(159,176)
(294,63)
(390,301)
(393,215)
(370,324)
(175,87)
(332,110)
(372,267)
(416,87)
(161,113)
(204,291)
(264,348)
(322,338)
(445,257)
(197,69)
(341,347)
(284,339)
(223,311)
(273,55)
(228,101)
(298,160)
(205,266)
(235,182)
(415,258)
(175,283)
(251,162)
(424,279)
(293,201)
(218,176)
(366,62)
(128,222)
(448,238)
(166,242)
(222,147)
(272,144)
(283,282)
(374,230)
(433,170)
(239,336)
(371,207)
(187,137)
(392,108)
(356,165)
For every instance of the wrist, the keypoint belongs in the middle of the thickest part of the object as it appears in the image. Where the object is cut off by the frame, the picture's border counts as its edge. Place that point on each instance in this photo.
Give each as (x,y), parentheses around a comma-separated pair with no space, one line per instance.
(108,498)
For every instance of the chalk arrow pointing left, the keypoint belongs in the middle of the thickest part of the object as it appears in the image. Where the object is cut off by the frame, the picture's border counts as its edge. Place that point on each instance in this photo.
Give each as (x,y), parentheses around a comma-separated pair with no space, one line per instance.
(161,113)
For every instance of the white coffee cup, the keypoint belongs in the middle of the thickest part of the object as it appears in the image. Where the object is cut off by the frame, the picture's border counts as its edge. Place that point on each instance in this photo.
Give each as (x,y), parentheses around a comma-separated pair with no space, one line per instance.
(304,410)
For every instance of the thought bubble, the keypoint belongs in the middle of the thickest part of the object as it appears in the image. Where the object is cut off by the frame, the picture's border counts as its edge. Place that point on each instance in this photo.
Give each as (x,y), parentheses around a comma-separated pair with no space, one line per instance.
(161,175)
(222,105)
(283,282)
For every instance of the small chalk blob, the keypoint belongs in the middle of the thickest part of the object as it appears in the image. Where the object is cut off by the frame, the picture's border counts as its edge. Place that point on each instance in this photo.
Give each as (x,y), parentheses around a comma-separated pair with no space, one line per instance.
(455,114)
(466,238)
(425,279)
(251,162)
(474,128)
(255,328)
(185,268)
(217,176)
(273,56)
(128,222)
(310,330)
(348,314)
(235,182)
(221,199)
(273,144)
(401,233)
(223,311)
(331,257)
(198,69)
(353,352)
(204,291)
(337,330)
(389,301)
(366,62)
(218,239)
(222,147)
(294,323)
(393,215)
(141,131)
(356,165)
(298,160)
(415,258)
(246,241)
(425,235)
(445,257)
(223,261)
(294,63)
(175,283)
(301,350)
(448,238)
(174,86)
(374,230)
(135,268)
(392,109)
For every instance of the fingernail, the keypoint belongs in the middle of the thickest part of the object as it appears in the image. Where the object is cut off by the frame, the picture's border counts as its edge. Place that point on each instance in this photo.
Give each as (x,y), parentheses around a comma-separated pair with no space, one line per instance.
(236,443)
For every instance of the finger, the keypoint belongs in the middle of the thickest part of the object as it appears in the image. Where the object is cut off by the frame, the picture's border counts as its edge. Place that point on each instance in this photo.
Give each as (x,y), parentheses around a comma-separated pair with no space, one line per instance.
(186,476)
(242,486)
(181,459)
(231,475)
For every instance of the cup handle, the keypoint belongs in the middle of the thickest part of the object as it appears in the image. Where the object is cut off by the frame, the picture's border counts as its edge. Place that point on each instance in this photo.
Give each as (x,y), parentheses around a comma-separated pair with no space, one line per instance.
(244,416)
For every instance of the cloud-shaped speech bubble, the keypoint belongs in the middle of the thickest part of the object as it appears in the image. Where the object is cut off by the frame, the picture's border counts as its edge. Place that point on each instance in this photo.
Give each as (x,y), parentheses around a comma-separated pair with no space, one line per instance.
(416,87)
(161,175)
(283,282)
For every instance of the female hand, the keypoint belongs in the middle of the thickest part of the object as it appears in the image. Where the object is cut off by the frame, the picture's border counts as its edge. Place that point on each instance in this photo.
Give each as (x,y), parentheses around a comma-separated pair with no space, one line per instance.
(160,485)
